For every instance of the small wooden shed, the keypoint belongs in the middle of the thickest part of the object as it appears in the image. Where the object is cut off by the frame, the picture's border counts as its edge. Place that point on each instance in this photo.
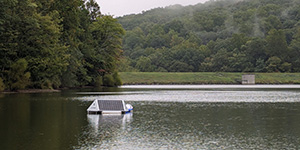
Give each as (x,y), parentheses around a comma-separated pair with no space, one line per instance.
(248,79)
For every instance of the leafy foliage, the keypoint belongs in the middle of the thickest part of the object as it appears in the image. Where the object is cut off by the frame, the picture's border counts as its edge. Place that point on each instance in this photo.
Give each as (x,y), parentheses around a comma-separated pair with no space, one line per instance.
(18,76)
(108,80)
(2,86)
(52,44)
(226,35)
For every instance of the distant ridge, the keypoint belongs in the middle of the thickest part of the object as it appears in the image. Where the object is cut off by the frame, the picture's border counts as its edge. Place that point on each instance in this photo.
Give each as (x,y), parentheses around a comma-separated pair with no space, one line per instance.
(217,36)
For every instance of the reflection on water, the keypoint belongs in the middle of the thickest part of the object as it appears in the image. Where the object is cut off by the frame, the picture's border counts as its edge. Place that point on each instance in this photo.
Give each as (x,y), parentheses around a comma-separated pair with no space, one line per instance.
(200,93)
(102,129)
(160,125)
(163,118)
(109,120)
(39,121)
(206,117)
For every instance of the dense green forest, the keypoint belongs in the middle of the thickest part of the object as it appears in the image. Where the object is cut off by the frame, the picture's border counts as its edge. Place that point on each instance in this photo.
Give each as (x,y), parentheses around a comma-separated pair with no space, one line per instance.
(57,43)
(220,35)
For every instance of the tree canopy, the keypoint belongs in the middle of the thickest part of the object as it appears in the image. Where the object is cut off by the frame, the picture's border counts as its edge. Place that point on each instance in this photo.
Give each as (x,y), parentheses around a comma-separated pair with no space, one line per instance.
(226,35)
(57,43)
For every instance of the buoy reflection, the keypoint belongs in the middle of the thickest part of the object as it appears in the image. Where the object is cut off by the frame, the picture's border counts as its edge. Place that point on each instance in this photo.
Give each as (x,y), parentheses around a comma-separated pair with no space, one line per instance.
(109,120)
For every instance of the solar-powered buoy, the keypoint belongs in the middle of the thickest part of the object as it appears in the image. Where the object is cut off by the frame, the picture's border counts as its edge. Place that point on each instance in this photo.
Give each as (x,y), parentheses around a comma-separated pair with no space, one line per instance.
(109,107)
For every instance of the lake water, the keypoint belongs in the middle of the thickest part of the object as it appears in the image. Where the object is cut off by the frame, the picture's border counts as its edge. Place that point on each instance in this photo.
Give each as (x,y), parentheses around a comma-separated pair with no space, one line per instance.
(164,117)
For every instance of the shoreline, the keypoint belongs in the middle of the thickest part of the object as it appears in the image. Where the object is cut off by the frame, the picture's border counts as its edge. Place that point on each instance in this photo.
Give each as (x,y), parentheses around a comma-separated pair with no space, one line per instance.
(188,78)
(30,91)
(204,78)
(33,91)
(208,84)
(217,86)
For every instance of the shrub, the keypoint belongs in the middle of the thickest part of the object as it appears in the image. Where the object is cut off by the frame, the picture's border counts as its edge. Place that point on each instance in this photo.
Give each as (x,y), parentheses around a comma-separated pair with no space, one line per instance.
(117,79)
(19,77)
(108,80)
(98,81)
(2,87)
(46,84)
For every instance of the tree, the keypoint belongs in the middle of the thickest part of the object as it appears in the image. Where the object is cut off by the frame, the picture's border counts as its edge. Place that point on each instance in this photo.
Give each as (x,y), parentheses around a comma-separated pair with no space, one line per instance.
(272,22)
(276,44)
(295,51)
(238,62)
(156,38)
(48,44)
(220,60)
(125,65)
(94,9)
(175,25)
(8,36)
(255,49)
(133,39)
(260,65)
(285,67)
(144,64)
(2,86)
(47,57)
(237,41)
(107,39)
(175,39)
(210,20)
(69,13)
(273,64)
(34,37)
(188,53)
(269,9)
(18,77)
(178,66)
(251,32)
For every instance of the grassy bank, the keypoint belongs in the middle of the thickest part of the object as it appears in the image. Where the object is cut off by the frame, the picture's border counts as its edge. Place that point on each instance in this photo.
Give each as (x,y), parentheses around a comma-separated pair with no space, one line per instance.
(205,78)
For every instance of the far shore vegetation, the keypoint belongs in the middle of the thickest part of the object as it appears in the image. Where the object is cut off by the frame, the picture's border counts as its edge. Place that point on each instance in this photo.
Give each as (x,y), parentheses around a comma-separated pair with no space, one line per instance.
(148,78)
(218,36)
(60,44)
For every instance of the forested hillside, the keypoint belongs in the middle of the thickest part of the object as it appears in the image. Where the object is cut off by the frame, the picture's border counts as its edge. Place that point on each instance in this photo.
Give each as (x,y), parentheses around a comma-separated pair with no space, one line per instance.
(220,35)
(57,43)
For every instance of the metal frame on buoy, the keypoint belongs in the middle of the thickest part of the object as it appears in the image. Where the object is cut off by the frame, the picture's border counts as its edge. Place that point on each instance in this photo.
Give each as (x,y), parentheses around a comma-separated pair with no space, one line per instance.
(108,107)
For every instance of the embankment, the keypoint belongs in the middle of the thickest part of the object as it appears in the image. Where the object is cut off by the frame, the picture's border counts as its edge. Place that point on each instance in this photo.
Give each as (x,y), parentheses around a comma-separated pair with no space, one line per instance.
(133,78)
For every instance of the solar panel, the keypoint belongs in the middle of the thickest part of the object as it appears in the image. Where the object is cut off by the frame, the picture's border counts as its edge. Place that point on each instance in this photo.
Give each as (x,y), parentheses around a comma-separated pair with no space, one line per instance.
(110,105)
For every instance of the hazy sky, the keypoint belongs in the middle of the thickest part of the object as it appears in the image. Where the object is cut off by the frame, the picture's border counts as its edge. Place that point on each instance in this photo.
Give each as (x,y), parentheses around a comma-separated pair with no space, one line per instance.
(125,7)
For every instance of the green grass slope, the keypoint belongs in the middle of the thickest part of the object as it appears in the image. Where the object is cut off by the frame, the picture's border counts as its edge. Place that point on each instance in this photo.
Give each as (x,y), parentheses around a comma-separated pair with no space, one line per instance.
(205,78)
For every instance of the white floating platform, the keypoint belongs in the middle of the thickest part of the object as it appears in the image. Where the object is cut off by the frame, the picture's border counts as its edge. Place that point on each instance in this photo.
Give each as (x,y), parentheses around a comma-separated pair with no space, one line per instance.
(109,107)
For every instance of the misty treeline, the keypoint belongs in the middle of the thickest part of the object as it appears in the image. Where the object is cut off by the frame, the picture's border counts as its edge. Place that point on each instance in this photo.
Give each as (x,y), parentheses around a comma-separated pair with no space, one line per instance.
(57,43)
(228,36)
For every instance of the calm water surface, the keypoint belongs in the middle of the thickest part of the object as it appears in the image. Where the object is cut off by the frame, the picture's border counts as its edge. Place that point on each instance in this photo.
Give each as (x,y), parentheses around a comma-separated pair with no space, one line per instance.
(164,117)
